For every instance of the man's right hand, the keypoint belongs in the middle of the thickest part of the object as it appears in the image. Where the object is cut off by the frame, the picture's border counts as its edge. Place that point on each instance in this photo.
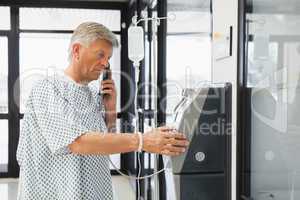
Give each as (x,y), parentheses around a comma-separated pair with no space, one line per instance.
(165,140)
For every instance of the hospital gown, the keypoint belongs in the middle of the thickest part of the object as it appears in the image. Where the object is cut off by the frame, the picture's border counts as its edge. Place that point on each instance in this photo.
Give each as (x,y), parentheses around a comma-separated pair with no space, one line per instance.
(58,111)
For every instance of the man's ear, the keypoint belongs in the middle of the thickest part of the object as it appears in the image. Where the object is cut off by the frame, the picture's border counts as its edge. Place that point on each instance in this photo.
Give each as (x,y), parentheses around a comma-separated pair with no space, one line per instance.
(76,51)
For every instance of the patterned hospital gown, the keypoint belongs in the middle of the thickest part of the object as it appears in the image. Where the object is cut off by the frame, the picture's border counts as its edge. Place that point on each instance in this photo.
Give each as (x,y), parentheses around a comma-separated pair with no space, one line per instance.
(58,111)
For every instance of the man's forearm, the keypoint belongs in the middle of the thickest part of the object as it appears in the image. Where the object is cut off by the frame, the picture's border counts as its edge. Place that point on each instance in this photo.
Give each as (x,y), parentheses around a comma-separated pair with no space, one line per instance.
(104,144)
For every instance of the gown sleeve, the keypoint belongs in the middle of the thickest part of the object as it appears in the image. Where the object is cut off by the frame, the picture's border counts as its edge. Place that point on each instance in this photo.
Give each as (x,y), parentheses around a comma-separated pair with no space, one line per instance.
(59,123)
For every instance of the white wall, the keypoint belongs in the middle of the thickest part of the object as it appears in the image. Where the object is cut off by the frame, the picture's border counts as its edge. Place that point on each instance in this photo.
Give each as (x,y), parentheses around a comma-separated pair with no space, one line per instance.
(225,14)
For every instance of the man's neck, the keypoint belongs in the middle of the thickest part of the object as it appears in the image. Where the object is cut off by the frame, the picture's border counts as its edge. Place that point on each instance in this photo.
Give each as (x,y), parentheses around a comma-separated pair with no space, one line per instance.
(74,75)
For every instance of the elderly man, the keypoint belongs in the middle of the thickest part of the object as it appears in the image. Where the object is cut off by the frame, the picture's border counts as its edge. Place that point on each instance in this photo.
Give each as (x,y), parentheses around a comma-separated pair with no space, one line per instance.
(65,139)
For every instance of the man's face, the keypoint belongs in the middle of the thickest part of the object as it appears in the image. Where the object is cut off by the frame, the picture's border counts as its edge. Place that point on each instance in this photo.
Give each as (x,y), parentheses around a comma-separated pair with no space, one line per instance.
(94,58)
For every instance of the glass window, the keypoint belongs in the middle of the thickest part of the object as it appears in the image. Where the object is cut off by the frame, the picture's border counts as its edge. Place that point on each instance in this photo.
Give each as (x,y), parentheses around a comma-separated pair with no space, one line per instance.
(5,18)
(189,22)
(262,70)
(189,16)
(272,142)
(40,54)
(188,48)
(3,75)
(3,145)
(188,64)
(67,19)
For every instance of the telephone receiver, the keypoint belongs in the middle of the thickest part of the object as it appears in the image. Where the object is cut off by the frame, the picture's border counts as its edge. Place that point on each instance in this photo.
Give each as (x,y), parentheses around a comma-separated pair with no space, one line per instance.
(106,75)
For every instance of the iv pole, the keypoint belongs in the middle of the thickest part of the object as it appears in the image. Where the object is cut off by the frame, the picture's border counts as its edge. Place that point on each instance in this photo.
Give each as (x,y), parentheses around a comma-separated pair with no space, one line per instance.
(156,23)
(154,83)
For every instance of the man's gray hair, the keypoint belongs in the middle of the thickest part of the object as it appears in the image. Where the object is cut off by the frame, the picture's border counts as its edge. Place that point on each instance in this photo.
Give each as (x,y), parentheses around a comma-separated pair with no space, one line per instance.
(88,32)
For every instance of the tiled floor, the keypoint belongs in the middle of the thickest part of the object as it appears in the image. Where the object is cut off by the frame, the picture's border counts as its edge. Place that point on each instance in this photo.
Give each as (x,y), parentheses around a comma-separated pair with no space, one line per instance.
(122,189)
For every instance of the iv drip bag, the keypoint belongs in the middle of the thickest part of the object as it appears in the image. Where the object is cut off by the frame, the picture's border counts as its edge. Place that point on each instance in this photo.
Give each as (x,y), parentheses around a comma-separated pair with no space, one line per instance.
(135,44)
